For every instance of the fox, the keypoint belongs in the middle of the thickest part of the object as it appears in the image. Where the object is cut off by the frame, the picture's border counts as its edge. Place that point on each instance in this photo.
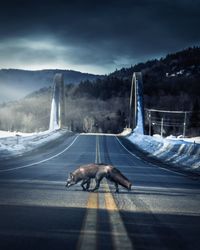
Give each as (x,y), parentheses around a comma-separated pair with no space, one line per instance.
(87,172)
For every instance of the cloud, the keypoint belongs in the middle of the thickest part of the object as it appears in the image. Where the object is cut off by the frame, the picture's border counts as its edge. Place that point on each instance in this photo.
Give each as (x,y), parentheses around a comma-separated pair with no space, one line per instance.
(27,52)
(101,34)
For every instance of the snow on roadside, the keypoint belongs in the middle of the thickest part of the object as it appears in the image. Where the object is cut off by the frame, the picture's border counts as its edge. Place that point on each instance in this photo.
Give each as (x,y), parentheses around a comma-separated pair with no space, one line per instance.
(126,132)
(179,152)
(16,143)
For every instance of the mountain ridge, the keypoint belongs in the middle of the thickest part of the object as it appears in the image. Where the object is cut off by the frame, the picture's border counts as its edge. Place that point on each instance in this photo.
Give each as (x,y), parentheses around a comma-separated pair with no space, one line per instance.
(171,64)
(17,83)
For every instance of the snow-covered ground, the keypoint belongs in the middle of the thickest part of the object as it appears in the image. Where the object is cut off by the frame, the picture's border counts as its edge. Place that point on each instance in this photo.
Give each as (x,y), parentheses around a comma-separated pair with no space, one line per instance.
(183,153)
(16,143)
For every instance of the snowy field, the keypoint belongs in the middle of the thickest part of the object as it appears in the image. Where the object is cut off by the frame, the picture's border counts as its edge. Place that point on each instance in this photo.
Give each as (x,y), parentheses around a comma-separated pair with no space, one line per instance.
(183,153)
(16,143)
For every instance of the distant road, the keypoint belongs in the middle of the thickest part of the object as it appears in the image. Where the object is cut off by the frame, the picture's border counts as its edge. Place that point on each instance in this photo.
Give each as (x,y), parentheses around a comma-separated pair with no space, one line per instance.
(37,212)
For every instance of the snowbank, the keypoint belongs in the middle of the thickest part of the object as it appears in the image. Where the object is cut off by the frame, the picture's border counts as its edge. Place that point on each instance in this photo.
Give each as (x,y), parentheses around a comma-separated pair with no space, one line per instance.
(13,143)
(179,152)
(126,132)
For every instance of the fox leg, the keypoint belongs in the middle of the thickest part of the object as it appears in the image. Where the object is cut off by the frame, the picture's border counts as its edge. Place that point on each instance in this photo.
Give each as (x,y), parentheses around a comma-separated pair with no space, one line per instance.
(84,182)
(98,180)
(116,187)
(88,184)
(116,184)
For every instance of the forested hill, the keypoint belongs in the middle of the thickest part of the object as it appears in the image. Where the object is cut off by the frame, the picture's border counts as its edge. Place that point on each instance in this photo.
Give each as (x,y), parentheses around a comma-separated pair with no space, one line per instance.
(175,75)
(171,83)
(185,63)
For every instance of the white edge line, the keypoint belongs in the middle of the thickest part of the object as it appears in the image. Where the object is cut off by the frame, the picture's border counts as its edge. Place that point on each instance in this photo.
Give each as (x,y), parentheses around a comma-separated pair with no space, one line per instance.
(38,162)
(127,149)
(168,170)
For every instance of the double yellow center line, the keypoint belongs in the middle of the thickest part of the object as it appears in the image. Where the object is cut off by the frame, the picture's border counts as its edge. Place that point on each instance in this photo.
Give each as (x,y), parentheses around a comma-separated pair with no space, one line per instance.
(89,232)
(98,155)
(88,235)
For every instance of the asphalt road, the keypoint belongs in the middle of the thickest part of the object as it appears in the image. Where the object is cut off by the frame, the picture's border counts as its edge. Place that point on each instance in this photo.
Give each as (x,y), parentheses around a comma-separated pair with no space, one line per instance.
(37,212)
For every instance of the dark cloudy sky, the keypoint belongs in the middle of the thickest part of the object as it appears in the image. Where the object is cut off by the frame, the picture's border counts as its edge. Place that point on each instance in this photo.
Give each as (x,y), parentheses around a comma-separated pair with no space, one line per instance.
(94,36)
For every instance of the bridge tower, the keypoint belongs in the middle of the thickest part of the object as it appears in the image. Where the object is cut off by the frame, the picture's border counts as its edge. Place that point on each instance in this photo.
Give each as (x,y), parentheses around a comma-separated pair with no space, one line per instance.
(57,115)
(136,108)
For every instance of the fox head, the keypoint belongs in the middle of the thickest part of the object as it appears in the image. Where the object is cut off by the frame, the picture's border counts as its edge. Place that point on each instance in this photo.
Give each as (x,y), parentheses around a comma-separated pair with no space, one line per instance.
(71,180)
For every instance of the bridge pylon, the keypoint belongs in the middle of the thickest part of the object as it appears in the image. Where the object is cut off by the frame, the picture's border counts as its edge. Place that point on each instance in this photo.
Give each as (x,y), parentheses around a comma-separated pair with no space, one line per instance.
(136,108)
(57,115)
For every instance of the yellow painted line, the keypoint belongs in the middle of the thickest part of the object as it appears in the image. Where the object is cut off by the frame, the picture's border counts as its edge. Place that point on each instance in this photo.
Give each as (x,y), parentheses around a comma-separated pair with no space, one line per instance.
(119,233)
(88,234)
(98,155)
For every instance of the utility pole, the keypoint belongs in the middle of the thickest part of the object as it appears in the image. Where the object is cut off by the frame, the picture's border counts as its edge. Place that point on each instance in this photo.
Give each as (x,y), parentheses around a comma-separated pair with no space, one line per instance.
(184,124)
(161,129)
(149,122)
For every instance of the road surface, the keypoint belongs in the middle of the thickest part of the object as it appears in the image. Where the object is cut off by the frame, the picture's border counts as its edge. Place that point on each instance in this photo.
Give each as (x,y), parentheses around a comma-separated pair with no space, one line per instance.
(162,211)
